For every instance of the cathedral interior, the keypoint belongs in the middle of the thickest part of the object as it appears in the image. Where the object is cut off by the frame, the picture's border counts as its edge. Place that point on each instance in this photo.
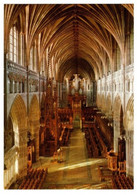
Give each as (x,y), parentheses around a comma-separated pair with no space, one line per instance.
(68,96)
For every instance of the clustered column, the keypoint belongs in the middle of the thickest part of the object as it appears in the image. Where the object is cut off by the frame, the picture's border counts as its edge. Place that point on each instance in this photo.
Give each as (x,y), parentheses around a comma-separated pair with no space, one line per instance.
(116,133)
(129,152)
(36,126)
(22,152)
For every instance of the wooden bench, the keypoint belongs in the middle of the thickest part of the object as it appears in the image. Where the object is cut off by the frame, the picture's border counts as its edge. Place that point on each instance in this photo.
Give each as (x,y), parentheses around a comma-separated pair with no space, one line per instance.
(122,182)
(34,179)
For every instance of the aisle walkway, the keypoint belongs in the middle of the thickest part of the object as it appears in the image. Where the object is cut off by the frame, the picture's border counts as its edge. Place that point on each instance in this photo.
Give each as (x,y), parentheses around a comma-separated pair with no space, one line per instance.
(76,171)
(76,168)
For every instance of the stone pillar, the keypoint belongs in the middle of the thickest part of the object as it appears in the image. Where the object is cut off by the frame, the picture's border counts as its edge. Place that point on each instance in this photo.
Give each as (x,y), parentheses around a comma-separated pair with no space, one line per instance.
(27,89)
(8,85)
(25,86)
(30,87)
(5,90)
(36,126)
(105,91)
(116,134)
(58,96)
(67,85)
(21,143)
(129,153)
(94,93)
(21,49)
(10,174)
(13,87)
(17,87)
(84,86)
(35,58)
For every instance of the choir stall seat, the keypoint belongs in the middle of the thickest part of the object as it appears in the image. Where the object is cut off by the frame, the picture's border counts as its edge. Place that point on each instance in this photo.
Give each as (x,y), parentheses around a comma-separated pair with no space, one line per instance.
(122,182)
(34,179)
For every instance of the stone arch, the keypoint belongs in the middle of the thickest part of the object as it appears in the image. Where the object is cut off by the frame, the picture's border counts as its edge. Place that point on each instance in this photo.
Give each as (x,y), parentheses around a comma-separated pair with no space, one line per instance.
(34,111)
(129,129)
(34,125)
(9,135)
(18,116)
(129,115)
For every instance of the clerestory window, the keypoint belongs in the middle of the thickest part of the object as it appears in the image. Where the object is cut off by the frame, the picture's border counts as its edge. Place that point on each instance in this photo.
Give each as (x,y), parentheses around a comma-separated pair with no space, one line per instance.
(13,45)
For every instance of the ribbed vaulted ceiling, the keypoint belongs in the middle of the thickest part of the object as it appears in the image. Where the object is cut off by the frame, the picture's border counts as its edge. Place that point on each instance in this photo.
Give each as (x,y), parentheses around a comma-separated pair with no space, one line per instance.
(80,37)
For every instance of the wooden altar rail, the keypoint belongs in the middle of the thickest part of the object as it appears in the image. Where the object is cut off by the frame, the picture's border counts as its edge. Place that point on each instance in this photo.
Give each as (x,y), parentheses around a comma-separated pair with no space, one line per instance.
(34,179)
(122,182)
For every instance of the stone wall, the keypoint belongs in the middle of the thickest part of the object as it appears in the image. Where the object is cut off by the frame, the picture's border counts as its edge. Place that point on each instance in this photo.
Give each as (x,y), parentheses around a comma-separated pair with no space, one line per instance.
(114,94)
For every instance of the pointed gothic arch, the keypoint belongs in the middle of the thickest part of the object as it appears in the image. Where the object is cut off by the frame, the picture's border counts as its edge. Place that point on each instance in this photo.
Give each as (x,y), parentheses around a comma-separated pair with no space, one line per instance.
(129,130)
(34,111)
(18,116)
(129,115)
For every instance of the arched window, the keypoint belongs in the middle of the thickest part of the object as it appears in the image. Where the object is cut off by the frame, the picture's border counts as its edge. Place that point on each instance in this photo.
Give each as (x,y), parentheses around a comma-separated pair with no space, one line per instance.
(13,44)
